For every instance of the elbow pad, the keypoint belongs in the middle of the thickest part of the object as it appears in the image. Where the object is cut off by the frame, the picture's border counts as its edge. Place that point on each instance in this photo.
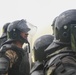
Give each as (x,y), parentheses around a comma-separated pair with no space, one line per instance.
(4,64)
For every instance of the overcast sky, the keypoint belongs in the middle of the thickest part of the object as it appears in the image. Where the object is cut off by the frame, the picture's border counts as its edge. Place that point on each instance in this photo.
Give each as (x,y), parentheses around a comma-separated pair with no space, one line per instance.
(38,12)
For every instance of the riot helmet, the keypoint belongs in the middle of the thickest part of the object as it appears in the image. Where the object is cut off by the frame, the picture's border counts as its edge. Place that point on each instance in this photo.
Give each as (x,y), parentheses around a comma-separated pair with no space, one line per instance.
(64,30)
(40,45)
(3,37)
(63,25)
(4,29)
(15,29)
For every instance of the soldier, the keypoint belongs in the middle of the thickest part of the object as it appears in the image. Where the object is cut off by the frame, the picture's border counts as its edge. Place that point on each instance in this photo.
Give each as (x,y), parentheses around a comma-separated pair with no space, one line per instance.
(39,55)
(3,37)
(13,58)
(61,54)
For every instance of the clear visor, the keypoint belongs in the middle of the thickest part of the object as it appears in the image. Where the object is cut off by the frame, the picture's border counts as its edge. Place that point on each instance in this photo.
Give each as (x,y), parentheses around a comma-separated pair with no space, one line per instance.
(33,55)
(32,28)
(31,32)
(73,36)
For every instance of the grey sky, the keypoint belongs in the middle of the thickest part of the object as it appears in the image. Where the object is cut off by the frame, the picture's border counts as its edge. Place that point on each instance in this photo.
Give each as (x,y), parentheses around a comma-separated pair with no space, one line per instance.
(38,12)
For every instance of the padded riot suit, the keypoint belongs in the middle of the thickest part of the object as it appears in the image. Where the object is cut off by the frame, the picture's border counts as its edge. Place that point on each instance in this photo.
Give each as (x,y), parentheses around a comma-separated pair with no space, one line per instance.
(61,54)
(13,59)
(39,55)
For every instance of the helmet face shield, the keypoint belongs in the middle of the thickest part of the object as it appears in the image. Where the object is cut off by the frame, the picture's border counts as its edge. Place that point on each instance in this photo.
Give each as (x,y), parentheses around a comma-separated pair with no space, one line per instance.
(73,36)
(17,27)
(53,24)
(32,28)
(31,33)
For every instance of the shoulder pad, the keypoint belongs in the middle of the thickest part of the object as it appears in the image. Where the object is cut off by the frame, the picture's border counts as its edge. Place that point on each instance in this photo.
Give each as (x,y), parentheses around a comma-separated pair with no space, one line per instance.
(37,66)
(20,52)
(56,57)
(50,62)
(55,63)
(65,69)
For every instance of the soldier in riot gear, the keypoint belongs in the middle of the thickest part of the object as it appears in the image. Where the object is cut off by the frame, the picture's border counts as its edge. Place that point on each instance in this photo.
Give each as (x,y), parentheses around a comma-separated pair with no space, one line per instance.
(12,54)
(61,54)
(3,37)
(39,55)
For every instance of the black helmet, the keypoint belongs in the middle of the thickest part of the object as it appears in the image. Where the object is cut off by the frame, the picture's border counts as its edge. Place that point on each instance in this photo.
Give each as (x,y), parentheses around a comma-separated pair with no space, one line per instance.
(4,34)
(3,37)
(40,45)
(63,26)
(65,30)
(15,28)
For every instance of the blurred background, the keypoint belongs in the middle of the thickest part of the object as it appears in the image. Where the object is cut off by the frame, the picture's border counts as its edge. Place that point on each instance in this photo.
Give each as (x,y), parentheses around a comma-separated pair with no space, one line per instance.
(38,12)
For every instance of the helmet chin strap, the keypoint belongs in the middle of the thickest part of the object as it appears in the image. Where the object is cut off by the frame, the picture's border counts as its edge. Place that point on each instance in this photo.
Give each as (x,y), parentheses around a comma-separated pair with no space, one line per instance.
(26,41)
(29,47)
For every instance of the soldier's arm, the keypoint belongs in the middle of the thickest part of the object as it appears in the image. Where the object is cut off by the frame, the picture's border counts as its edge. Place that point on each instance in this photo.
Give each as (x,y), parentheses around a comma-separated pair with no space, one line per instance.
(7,59)
(12,56)
(65,66)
